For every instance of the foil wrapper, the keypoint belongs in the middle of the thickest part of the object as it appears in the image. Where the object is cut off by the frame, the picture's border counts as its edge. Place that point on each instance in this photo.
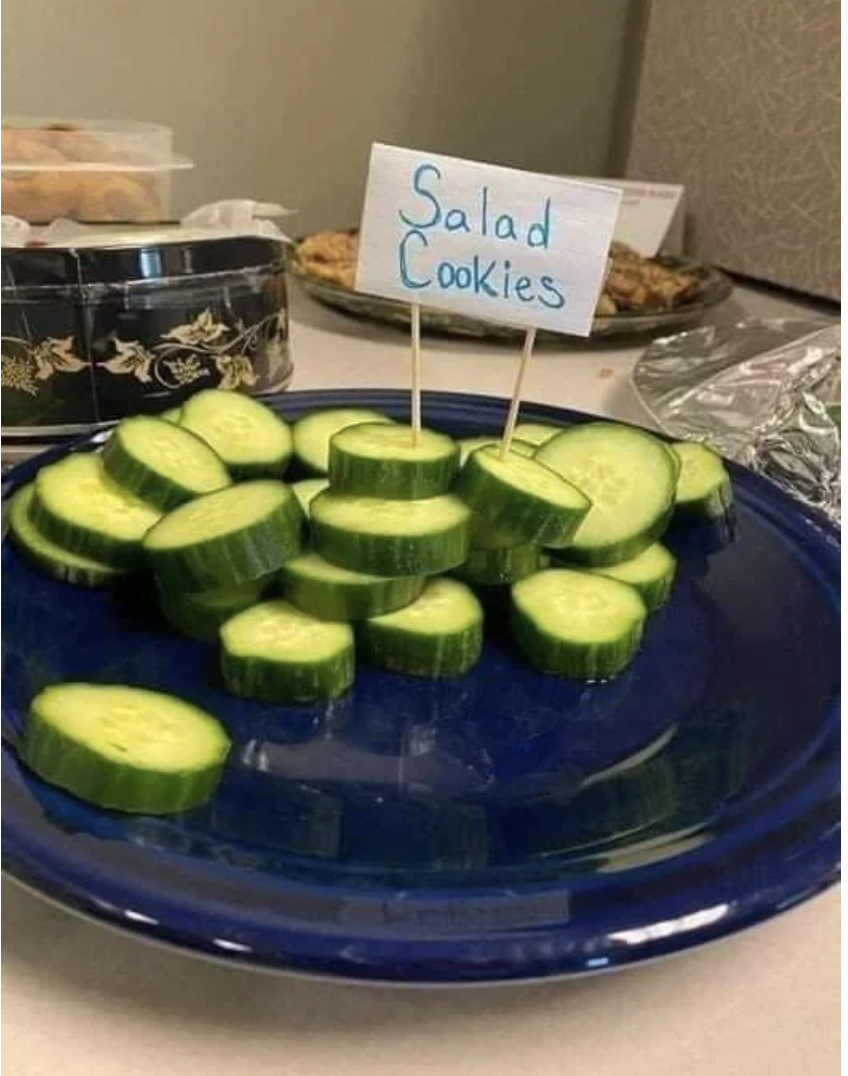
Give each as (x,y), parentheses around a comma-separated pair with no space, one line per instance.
(763,392)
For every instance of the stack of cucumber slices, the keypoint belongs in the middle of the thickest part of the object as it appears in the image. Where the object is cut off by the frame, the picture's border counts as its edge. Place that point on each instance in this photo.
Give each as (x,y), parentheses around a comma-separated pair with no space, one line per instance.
(380,550)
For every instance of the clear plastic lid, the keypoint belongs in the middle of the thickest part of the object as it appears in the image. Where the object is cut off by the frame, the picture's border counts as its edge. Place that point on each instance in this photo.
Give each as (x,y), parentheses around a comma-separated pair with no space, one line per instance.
(45,144)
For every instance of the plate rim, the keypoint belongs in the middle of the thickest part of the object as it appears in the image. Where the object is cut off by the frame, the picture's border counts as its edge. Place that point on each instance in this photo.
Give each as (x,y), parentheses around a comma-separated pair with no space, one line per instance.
(818,874)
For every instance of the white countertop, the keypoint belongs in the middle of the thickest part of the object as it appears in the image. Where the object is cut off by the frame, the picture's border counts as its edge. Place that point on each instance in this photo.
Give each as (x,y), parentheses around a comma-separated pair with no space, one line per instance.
(83,1001)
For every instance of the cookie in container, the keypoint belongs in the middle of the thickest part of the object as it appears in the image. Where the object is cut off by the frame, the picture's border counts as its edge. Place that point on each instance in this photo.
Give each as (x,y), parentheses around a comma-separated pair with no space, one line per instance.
(95,171)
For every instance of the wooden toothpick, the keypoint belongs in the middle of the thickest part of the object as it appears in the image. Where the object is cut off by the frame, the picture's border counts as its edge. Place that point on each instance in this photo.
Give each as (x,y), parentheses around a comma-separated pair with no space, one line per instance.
(515,402)
(416,373)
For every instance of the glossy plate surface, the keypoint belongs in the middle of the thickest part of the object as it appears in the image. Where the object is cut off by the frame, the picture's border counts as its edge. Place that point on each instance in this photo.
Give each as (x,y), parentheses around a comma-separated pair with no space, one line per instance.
(502,826)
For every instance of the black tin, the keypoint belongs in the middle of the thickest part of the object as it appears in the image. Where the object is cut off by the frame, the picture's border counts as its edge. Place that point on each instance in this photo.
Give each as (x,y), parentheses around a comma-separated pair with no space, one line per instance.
(92,334)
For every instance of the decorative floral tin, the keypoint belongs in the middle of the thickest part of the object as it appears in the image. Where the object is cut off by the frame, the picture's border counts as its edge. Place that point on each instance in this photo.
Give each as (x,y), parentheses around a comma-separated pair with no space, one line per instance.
(92,333)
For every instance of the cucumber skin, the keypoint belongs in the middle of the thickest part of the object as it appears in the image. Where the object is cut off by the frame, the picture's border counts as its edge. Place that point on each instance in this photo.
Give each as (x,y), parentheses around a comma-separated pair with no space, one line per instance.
(144,483)
(715,506)
(288,682)
(111,551)
(68,764)
(401,480)
(517,513)
(387,554)
(654,593)
(616,552)
(235,558)
(245,472)
(101,576)
(190,618)
(569,660)
(420,654)
(329,601)
(498,567)
(307,466)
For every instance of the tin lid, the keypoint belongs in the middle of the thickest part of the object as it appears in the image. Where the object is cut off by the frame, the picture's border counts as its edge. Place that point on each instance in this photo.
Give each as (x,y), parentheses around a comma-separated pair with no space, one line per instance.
(221,237)
(141,259)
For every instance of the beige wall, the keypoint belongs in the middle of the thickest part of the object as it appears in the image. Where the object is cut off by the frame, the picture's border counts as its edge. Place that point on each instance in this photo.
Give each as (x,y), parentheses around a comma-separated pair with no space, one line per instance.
(280,99)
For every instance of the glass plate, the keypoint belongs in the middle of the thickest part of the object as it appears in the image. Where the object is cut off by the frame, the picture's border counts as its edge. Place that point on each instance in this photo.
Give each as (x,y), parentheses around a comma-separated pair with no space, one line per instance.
(714,288)
(502,826)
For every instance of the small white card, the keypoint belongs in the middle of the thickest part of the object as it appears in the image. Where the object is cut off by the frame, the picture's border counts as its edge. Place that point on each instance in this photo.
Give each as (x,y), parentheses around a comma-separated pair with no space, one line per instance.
(647,213)
(487,241)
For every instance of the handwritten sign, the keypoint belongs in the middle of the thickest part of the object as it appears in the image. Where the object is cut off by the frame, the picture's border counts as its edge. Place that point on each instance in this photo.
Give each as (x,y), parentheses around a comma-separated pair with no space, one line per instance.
(491,242)
(649,216)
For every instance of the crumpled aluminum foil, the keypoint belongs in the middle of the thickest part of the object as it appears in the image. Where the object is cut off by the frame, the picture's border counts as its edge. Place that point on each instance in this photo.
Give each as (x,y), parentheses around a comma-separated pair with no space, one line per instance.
(763,392)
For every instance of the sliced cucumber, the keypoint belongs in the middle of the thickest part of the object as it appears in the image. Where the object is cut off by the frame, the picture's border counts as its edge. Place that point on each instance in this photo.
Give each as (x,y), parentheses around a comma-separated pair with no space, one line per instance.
(80,509)
(201,613)
(226,538)
(125,748)
(651,573)
(387,460)
(173,414)
(577,624)
(704,491)
(495,567)
(278,653)
(368,534)
(470,444)
(324,590)
(307,490)
(629,478)
(522,498)
(439,634)
(251,440)
(536,433)
(51,558)
(162,464)
(312,434)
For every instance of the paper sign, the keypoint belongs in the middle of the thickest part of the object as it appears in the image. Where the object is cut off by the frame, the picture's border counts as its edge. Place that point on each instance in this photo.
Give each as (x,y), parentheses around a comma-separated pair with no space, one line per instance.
(648,214)
(492,242)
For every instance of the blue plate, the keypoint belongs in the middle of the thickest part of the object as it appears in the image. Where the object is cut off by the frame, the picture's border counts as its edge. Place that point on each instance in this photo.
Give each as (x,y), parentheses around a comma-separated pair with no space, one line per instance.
(502,826)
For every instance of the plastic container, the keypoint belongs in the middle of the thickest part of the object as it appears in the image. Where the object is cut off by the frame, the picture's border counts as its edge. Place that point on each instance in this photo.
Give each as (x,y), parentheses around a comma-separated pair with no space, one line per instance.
(119,323)
(94,171)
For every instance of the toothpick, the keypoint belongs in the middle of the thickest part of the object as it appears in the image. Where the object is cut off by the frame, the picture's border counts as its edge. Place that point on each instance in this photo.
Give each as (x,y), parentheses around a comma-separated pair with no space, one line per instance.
(416,373)
(515,402)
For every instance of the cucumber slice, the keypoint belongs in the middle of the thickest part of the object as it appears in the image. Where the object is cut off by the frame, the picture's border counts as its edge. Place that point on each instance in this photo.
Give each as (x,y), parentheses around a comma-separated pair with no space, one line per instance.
(576,624)
(307,490)
(225,538)
(440,634)
(173,414)
(313,433)
(384,460)
(51,558)
(704,491)
(200,614)
(522,498)
(80,509)
(125,748)
(536,433)
(367,534)
(278,653)
(162,464)
(470,444)
(332,593)
(651,573)
(629,478)
(252,441)
(495,567)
